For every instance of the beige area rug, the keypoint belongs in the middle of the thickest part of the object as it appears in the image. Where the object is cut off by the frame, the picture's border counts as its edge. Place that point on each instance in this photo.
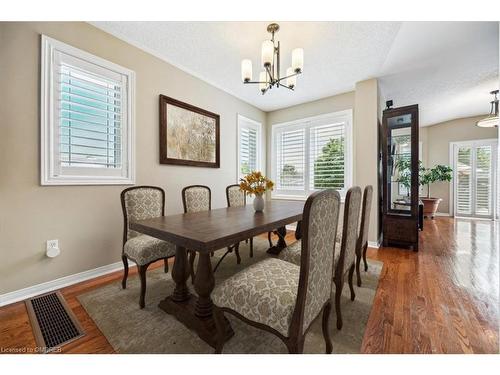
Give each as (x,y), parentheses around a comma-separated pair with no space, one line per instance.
(131,330)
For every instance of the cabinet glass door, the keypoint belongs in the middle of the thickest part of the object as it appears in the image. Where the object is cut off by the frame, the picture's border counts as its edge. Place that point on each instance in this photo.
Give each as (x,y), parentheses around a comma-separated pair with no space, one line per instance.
(399,164)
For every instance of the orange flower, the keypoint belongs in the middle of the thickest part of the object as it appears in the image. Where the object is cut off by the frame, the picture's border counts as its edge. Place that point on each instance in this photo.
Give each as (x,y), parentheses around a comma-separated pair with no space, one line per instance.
(255,183)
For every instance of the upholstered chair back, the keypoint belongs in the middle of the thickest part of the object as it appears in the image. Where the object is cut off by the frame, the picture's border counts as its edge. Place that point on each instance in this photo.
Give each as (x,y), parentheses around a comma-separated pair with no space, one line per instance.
(196,198)
(235,197)
(352,206)
(319,223)
(140,203)
(364,225)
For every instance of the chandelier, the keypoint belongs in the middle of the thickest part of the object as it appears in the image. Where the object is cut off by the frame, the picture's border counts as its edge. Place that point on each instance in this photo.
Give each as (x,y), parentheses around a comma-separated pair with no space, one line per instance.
(270,60)
(492,120)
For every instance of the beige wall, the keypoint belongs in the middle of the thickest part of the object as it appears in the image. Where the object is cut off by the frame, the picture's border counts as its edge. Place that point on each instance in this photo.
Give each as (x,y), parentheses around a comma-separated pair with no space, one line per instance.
(87,220)
(365,131)
(436,148)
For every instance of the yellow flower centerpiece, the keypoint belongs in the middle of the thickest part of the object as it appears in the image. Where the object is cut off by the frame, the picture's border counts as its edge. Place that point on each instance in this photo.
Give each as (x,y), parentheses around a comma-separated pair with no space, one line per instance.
(257,184)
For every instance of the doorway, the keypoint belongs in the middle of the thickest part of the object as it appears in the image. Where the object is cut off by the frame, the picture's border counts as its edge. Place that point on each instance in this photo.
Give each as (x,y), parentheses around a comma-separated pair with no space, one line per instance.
(474,178)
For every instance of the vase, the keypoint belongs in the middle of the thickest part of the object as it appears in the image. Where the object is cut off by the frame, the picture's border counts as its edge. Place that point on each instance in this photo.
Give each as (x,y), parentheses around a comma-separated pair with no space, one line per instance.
(258,203)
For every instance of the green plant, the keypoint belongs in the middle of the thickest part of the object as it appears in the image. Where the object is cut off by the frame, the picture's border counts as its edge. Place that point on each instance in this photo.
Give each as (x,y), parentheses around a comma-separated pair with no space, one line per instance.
(426,176)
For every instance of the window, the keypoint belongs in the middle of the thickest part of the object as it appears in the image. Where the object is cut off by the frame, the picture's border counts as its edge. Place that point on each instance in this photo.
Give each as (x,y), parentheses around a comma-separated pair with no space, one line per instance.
(249,149)
(86,120)
(312,154)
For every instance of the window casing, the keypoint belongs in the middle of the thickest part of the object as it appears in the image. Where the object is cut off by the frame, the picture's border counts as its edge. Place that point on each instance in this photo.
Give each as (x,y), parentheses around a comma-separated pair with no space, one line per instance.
(312,154)
(249,146)
(87,119)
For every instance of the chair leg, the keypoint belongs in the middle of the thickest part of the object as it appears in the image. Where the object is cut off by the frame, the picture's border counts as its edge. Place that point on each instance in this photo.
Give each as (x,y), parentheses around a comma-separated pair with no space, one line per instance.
(165,265)
(192,256)
(351,287)
(326,330)
(142,275)
(269,239)
(296,346)
(219,325)
(364,256)
(237,252)
(251,247)
(338,295)
(358,274)
(125,271)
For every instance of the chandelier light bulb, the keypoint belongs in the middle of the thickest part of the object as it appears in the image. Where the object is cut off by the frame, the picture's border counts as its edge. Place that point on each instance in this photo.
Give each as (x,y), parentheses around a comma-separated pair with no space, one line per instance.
(267,53)
(298,60)
(246,70)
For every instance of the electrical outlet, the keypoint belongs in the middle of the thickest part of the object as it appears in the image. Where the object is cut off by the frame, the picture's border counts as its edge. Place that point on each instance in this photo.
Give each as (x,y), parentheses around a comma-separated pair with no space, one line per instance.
(52,244)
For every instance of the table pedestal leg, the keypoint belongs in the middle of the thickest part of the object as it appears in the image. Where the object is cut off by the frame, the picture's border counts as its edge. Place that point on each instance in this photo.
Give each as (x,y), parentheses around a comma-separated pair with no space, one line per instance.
(275,250)
(195,313)
(180,273)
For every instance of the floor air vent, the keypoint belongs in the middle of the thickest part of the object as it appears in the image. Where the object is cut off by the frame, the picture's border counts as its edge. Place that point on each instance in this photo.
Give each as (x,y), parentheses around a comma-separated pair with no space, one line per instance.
(53,322)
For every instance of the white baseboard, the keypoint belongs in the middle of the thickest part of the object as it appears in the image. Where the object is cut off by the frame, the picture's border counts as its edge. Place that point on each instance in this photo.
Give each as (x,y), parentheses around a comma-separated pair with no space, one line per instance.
(374,244)
(22,294)
(442,214)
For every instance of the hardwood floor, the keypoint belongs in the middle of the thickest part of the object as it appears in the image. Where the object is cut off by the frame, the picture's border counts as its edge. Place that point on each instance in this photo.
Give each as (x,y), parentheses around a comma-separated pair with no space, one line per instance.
(443,299)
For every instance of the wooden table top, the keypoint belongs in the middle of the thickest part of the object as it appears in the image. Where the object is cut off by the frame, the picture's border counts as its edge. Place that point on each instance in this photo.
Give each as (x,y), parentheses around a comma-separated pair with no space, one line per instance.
(219,228)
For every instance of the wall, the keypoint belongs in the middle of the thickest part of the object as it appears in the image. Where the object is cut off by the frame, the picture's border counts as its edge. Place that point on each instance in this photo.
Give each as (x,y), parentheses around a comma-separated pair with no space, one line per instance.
(365,130)
(436,146)
(87,220)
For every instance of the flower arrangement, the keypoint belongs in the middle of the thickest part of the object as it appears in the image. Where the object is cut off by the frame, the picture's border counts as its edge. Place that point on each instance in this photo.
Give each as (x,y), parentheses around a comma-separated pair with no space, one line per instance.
(255,183)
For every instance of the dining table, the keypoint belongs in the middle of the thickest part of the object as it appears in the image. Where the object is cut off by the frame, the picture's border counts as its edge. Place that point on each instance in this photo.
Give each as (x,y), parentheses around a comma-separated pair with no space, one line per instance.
(207,232)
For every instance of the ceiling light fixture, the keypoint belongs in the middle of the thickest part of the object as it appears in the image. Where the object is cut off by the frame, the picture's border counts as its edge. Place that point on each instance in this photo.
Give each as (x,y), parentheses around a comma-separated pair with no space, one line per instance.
(270,60)
(492,120)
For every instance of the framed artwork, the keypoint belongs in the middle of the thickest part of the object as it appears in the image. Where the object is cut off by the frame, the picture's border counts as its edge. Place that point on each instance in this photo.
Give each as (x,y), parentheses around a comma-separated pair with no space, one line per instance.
(188,135)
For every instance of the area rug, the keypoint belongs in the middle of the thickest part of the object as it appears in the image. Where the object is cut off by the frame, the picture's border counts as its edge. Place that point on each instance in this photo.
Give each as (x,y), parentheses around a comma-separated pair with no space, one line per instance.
(132,330)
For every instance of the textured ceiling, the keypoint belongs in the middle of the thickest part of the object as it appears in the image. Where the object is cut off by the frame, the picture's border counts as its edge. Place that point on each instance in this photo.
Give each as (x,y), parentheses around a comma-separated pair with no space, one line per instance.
(447,68)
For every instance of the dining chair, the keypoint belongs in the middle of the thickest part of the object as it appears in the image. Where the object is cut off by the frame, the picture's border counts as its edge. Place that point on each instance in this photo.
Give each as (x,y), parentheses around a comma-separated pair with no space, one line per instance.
(236,198)
(364,226)
(196,198)
(140,203)
(344,261)
(281,297)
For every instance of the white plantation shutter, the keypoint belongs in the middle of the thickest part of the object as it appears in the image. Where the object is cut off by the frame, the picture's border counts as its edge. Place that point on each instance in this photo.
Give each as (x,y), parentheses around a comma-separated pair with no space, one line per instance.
(475,168)
(249,135)
(327,157)
(90,119)
(464,180)
(483,181)
(312,154)
(86,118)
(291,160)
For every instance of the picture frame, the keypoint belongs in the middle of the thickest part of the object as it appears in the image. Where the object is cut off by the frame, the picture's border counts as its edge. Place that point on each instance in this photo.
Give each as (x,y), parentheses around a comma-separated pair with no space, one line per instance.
(189,135)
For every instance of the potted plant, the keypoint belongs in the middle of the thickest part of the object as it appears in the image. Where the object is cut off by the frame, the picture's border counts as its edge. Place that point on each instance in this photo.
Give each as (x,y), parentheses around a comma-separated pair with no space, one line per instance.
(427,177)
(257,184)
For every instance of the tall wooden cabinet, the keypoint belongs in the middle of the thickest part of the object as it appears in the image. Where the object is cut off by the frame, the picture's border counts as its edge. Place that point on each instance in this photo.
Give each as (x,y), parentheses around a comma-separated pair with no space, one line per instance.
(399,149)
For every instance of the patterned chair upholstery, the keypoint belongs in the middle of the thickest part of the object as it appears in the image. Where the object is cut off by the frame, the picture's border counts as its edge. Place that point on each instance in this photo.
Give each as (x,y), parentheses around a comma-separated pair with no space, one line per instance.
(235,196)
(196,198)
(284,298)
(140,203)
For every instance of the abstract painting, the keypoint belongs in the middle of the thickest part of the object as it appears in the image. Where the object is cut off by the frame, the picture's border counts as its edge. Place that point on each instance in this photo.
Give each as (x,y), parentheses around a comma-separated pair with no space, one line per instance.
(188,135)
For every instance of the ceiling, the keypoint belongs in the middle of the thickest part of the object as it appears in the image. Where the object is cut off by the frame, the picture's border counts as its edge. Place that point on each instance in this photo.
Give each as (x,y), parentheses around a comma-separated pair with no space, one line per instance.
(448,68)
